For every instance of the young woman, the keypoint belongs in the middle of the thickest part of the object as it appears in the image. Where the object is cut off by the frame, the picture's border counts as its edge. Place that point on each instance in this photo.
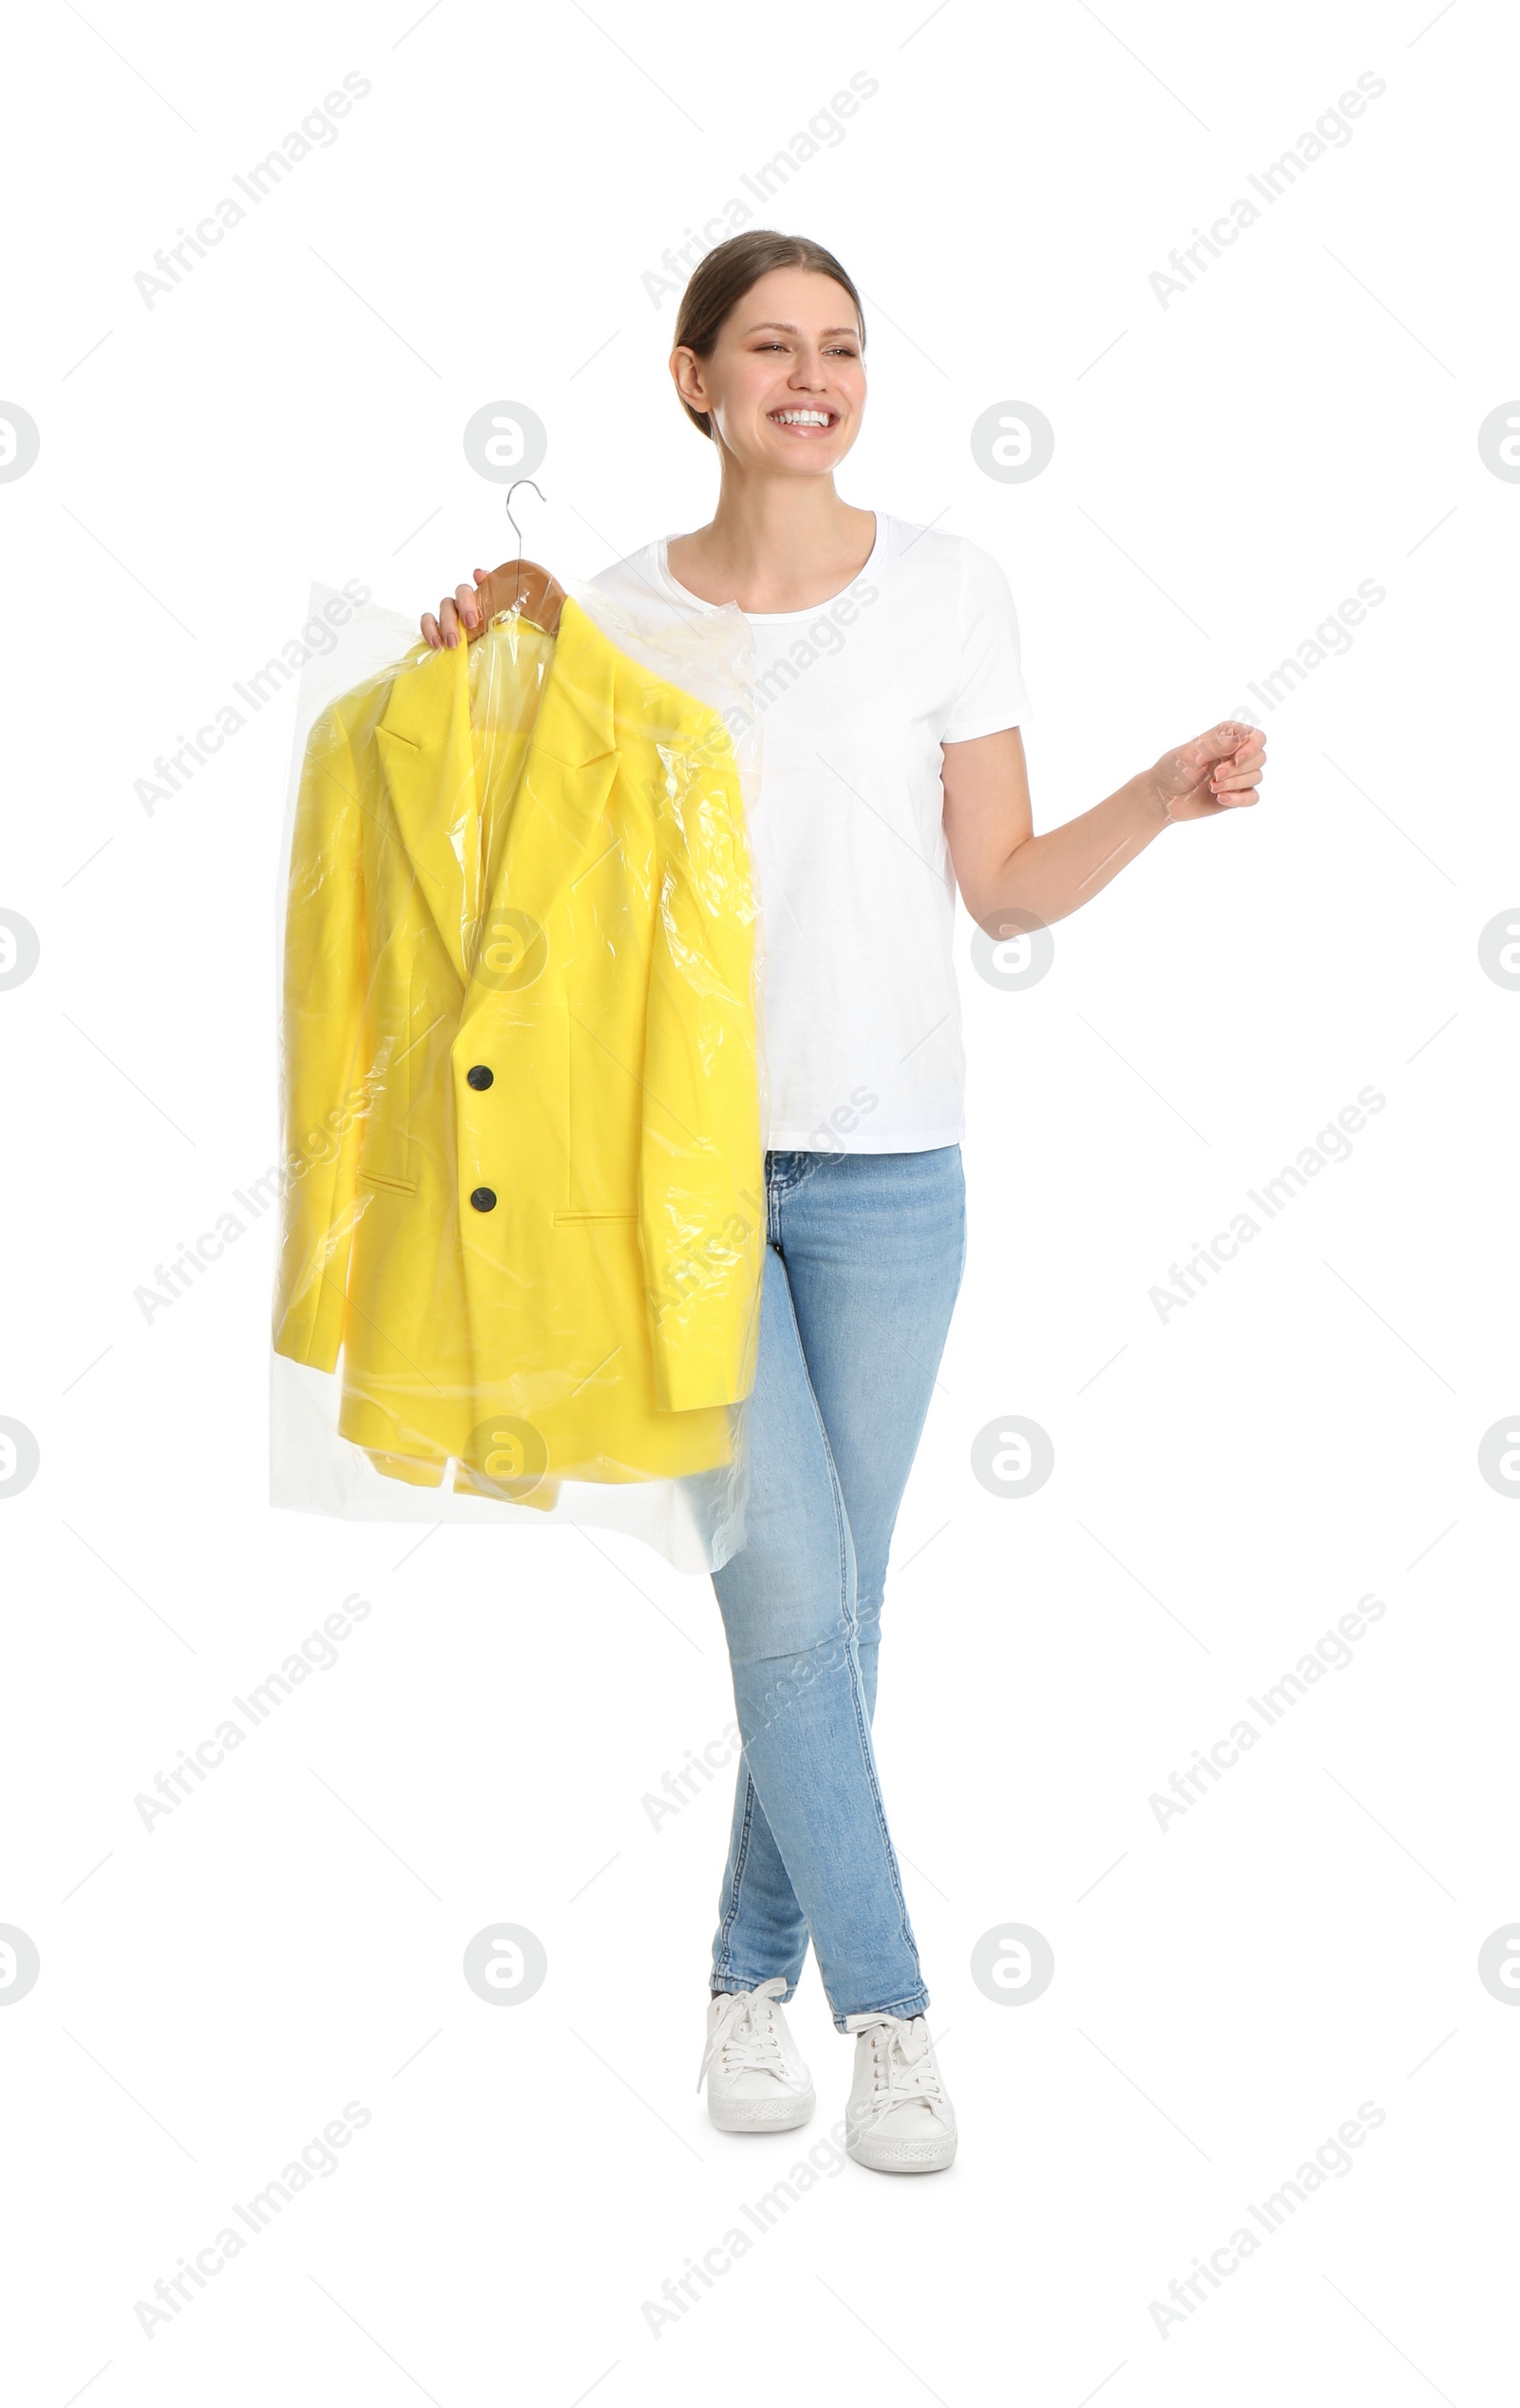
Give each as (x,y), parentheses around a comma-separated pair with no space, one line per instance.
(893,773)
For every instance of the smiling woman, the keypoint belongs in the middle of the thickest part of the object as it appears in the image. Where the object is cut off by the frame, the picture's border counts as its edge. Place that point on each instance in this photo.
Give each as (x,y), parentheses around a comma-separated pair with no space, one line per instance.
(893,774)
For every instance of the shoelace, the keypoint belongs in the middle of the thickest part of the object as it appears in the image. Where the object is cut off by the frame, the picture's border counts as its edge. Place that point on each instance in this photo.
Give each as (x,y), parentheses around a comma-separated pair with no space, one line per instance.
(902,2067)
(744,2038)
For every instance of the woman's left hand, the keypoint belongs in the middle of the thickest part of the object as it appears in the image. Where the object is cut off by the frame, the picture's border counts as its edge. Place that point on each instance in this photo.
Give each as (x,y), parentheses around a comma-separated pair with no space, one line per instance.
(1216,772)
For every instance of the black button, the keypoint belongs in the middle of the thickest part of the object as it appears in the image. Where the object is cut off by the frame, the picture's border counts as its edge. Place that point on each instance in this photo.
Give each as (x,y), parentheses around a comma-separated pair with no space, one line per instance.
(480,1075)
(484,1198)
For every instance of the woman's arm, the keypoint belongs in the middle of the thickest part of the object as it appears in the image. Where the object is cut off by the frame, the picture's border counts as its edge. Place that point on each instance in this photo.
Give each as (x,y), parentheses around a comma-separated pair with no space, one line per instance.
(1001,866)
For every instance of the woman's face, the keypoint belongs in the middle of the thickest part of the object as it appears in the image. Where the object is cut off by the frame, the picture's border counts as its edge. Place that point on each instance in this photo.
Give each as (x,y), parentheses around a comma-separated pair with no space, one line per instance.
(785,384)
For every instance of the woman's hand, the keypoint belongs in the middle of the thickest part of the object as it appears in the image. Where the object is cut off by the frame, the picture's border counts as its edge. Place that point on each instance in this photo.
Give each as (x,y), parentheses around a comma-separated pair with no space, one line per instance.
(1004,869)
(1216,772)
(459,613)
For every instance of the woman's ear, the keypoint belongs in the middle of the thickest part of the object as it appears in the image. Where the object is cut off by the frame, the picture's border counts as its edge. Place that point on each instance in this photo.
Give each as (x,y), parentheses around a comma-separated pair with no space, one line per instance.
(687,370)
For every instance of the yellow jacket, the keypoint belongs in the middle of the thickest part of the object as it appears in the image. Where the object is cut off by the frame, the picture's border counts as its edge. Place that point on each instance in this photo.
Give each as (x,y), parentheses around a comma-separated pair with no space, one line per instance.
(525,1188)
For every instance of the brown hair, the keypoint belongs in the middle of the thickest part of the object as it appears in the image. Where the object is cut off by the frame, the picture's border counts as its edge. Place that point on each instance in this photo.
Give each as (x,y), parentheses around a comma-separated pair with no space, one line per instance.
(726,274)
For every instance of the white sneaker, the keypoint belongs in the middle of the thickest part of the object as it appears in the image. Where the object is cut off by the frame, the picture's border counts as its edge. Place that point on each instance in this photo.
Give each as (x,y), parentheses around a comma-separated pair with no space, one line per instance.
(899,2120)
(756,2081)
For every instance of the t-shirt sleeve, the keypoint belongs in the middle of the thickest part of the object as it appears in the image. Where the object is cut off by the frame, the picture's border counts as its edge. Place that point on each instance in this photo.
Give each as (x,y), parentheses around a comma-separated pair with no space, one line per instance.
(990,691)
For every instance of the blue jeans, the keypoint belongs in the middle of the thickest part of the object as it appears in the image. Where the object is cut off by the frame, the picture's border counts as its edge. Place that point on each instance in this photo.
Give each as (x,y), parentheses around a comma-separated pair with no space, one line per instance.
(862,1266)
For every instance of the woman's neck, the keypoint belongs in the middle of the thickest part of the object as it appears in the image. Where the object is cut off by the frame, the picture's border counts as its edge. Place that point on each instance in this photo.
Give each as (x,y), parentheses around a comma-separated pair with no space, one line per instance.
(773,544)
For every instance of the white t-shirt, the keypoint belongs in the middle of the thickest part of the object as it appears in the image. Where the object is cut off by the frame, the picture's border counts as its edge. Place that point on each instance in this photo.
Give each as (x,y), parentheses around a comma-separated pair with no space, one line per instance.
(860,1008)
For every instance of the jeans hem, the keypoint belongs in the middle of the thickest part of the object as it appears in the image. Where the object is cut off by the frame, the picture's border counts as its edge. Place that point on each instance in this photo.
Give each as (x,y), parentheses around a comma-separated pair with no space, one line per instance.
(905,2008)
(733,1984)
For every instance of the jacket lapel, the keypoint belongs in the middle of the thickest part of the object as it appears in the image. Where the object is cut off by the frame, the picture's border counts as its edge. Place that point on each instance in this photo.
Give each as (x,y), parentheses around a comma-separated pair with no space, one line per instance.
(572,760)
(428,759)
(428,755)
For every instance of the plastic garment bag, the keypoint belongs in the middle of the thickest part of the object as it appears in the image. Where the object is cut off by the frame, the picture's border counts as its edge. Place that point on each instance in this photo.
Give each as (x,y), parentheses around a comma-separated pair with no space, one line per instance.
(522,1191)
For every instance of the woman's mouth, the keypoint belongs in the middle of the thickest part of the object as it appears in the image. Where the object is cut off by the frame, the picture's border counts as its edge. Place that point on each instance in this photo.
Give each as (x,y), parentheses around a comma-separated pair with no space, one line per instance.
(804,422)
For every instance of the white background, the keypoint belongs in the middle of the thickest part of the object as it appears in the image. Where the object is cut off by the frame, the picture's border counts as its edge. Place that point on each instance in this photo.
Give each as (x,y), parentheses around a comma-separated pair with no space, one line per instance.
(1227,1483)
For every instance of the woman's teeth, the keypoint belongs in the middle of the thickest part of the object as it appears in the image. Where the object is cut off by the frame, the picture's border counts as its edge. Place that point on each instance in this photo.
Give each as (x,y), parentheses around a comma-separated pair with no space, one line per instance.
(802,417)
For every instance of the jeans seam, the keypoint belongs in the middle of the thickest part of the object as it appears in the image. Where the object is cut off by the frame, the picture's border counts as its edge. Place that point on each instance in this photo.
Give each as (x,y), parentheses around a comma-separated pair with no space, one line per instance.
(721,1961)
(863,1733)
(851,1623)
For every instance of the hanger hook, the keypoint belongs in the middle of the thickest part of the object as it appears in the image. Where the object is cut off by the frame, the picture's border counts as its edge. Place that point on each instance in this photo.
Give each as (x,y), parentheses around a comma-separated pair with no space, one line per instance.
(510,520)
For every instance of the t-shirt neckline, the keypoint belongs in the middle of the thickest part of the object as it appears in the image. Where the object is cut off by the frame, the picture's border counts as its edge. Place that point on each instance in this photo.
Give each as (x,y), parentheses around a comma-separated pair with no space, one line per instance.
(775,617)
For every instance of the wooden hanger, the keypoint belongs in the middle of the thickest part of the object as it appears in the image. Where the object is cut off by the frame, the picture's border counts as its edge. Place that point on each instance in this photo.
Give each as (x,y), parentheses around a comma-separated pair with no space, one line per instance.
(522,585)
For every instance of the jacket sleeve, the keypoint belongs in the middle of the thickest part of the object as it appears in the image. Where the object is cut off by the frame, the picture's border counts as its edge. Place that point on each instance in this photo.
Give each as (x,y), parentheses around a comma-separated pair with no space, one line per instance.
(701,1182)
(322,1089)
